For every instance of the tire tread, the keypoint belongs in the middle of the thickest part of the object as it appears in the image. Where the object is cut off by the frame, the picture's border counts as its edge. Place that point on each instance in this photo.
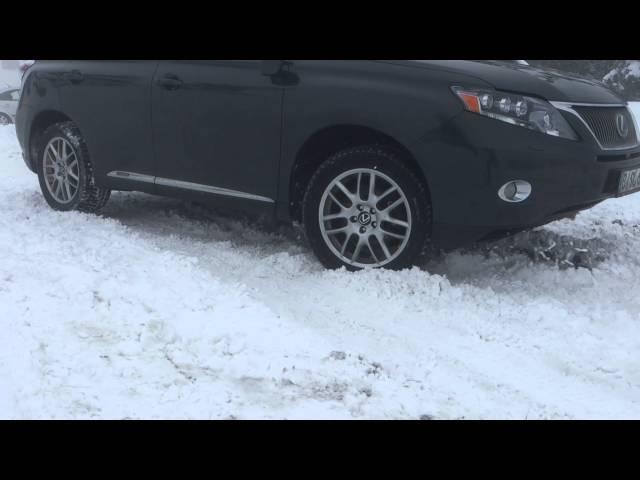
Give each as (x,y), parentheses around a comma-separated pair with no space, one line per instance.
(92,197)
(374,150)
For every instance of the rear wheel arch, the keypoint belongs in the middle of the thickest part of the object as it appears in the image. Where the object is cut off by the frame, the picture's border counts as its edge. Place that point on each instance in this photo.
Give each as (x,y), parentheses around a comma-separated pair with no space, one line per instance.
(327,141)
(41,122)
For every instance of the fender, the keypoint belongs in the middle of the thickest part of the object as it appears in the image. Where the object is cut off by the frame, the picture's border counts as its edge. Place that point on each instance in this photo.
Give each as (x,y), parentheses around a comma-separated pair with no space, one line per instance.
(400,103)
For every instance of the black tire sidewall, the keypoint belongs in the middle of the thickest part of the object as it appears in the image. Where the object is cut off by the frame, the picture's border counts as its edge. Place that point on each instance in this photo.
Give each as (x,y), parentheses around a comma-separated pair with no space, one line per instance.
(60,130)
(385,161)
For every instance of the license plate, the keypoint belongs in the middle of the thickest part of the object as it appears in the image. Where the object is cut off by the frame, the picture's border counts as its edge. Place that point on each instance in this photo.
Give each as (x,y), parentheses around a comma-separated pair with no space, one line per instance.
(629,180)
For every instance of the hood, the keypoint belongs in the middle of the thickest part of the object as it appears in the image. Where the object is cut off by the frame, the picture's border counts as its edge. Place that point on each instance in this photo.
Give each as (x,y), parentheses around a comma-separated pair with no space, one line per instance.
(510,76)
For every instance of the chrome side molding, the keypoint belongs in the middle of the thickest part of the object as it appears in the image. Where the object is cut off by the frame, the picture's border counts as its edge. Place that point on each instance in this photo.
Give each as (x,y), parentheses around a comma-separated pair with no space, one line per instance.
(168,182)
(137,177)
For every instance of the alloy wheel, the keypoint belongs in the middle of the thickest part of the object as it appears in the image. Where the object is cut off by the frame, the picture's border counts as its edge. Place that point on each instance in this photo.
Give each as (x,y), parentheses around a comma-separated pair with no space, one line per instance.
(61,170)
(365,218)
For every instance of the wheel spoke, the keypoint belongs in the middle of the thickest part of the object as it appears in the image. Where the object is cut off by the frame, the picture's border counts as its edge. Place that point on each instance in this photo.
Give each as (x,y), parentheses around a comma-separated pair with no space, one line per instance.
(356,252)
(344,245)
(372,186)
(396,221)
(333,197)
(373,254)
(70,155)
(391,234)
(60,190)
(345,190)
(52,150)
(394,205)
(336,230)
(62,147)
(63,153)
(74,176)
(383,244)
(328,218)
(386,192)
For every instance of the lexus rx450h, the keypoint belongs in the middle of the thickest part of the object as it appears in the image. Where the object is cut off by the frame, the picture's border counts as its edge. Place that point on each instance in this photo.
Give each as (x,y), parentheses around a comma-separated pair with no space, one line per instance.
(376,159)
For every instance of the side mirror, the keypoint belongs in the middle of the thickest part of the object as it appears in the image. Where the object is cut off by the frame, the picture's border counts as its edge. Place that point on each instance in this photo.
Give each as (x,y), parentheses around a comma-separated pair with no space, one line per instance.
(271,67)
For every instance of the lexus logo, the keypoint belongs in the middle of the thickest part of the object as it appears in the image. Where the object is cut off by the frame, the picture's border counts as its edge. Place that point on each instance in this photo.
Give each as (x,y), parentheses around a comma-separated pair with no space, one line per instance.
(364,218)
(621,125)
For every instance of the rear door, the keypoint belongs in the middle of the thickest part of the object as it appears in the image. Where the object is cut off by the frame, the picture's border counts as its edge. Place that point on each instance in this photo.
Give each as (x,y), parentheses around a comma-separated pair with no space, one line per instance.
(110,101)
(216,130)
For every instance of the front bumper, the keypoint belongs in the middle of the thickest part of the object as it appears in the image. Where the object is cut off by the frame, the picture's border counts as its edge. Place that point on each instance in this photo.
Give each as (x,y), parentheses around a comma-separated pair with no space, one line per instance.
(469,159)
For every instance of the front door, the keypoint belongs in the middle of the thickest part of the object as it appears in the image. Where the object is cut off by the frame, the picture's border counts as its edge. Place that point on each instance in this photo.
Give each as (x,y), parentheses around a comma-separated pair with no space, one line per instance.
(216,130)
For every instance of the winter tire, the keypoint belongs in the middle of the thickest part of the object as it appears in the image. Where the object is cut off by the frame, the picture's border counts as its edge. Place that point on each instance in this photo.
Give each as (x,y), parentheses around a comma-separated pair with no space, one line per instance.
(364,208)
(65,171)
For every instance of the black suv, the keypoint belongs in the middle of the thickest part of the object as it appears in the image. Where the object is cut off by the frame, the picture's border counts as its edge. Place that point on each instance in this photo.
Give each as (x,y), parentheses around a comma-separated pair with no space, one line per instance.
(377,159)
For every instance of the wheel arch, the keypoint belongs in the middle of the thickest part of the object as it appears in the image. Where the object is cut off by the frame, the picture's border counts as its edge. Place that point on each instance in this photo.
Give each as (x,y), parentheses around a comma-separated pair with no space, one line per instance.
(40,123)
(328,140)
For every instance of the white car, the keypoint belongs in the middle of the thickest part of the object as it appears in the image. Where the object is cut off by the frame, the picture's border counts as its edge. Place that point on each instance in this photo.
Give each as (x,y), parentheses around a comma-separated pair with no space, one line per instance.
(8,104)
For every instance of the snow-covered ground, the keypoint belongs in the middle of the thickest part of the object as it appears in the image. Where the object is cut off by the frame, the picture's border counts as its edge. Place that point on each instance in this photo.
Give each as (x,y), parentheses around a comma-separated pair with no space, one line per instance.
(159,309)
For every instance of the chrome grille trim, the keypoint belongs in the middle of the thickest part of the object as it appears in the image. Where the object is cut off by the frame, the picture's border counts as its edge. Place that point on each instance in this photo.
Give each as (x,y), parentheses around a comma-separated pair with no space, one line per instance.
(569,107)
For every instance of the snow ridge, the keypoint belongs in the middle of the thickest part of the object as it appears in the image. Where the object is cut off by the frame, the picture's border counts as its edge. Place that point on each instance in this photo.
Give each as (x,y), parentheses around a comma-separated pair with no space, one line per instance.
(159,309)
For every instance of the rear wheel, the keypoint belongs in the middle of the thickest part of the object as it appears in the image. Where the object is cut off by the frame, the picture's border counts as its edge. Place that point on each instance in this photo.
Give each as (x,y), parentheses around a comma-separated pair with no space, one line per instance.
(65,171)
(365,209)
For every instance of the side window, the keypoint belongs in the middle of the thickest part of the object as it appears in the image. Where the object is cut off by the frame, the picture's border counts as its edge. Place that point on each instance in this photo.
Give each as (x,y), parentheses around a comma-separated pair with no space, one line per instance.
(5,96)
(15,95)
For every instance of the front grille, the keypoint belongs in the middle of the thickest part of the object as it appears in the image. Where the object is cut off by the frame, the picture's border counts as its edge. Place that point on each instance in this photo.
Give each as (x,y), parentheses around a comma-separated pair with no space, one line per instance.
(603,122)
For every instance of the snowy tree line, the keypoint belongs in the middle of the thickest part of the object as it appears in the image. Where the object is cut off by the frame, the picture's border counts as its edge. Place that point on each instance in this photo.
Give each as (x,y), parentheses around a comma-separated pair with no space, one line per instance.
(623,76)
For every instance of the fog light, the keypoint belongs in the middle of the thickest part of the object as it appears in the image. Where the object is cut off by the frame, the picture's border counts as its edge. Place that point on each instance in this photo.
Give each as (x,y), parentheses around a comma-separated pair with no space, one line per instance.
(515,191)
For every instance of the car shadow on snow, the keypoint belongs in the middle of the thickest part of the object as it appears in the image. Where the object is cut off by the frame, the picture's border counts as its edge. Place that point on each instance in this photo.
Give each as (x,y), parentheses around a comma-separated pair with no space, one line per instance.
(166,216)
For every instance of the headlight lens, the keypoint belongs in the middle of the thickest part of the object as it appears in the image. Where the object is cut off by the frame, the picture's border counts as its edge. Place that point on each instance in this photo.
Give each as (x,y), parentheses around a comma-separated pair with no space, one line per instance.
(528,112)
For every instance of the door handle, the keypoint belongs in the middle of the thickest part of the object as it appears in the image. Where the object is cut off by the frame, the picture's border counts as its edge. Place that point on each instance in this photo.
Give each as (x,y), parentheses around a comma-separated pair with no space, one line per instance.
(170,82)
(274,67)
(74,76)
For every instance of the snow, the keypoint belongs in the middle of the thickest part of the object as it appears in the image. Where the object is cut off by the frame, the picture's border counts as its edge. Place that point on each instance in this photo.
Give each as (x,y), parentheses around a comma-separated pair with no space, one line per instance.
(161,309)
(630,70)
(633,68)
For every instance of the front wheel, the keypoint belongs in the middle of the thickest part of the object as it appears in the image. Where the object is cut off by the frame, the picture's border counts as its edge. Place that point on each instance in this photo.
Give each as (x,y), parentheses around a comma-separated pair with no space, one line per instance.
(365,209)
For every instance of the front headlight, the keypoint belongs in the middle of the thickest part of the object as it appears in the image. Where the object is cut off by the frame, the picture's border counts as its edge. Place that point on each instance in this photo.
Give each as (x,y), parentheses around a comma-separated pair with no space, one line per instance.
(528,112)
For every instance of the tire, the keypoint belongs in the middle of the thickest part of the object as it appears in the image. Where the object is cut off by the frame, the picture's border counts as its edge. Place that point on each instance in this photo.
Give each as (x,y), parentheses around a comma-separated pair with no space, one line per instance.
(82,193)
(404,229)
(5,119)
